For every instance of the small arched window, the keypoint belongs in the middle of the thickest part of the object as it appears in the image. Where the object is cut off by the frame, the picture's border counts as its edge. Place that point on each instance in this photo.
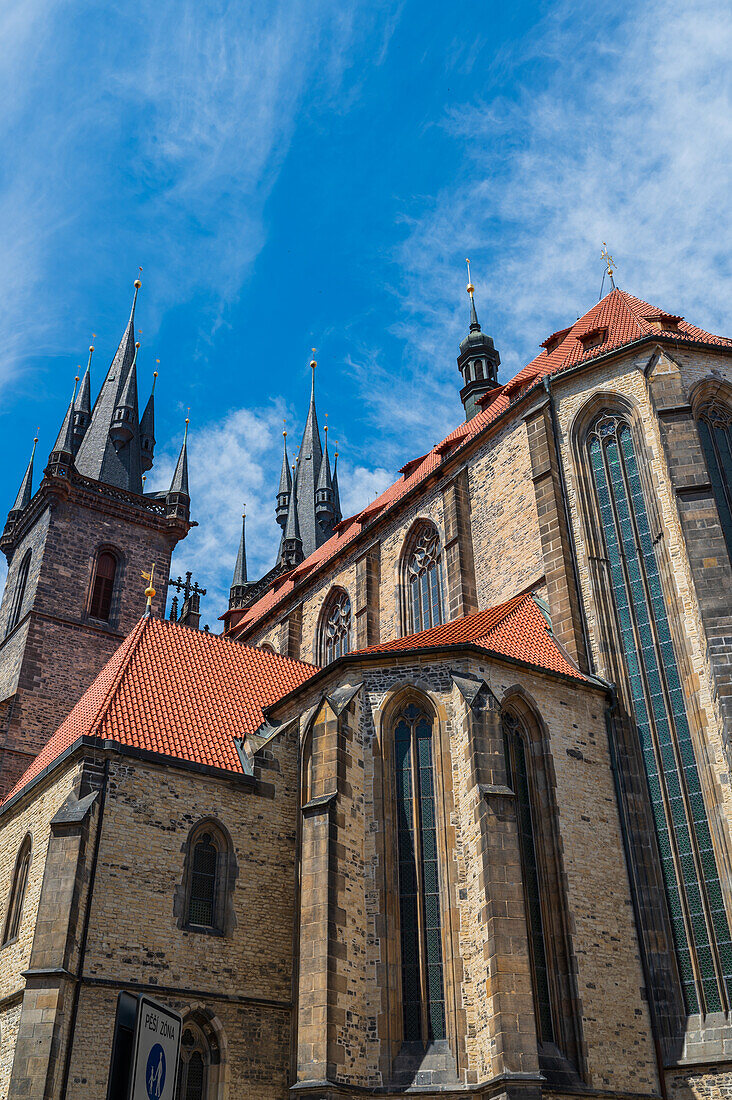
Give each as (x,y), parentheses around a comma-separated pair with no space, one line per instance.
(103,586)
(267,648)
(335,632)
(423,579)
(17,892)
(204,901)
(19,593)
(715,429)
(199,1068)
(204,881)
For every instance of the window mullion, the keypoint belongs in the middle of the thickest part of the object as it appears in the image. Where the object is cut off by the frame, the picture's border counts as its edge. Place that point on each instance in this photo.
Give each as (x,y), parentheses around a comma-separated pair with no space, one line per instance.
(650,717)
(421,918)
(711,932)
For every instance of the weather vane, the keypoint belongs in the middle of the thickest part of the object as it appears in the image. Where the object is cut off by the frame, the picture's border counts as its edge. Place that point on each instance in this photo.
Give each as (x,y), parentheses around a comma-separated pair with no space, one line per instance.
(150,590)
(609,265)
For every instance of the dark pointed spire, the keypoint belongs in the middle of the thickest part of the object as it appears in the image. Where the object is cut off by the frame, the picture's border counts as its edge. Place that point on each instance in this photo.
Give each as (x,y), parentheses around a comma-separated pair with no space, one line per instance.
(115,461)
(25,492)
(477,362)
(285,489)
(82,405)
(239,584)
(63,449)
(324,498)
(179,484)
(147,428)
(178,498)
(292,549)
(338,516)
(308,473)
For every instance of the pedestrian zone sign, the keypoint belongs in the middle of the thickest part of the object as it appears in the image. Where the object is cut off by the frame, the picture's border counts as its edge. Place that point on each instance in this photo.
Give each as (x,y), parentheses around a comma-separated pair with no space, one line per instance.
(156,1052)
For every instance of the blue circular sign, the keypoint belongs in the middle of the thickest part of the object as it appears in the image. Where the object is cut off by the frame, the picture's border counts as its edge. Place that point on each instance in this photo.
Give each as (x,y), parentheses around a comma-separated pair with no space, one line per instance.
(155,1072)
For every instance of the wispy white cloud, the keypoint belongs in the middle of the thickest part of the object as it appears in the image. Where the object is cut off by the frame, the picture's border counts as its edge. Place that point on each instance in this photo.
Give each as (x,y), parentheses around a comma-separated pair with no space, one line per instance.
(627,139)
(183,112)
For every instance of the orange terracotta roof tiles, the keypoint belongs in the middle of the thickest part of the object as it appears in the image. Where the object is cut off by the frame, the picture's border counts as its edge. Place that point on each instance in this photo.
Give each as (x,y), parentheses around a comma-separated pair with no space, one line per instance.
(624,320)
(516,629)
(181,692)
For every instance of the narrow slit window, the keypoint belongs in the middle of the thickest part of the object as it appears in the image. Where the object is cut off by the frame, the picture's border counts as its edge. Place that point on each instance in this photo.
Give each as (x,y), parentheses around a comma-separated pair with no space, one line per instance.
(19,593)
(204,875)
(17,892)
(103,587)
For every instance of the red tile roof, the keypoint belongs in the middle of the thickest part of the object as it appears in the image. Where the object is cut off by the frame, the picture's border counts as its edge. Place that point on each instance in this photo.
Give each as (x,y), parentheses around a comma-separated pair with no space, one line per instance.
(515,629)
(625,319)
(181,692)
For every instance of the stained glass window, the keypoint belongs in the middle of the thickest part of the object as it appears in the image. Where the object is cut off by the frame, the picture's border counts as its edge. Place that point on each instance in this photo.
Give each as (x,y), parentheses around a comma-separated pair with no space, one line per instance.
(518,781)
(424,580)
(336,632)
(423,994)
(202,903)
(698,918)
(715,429)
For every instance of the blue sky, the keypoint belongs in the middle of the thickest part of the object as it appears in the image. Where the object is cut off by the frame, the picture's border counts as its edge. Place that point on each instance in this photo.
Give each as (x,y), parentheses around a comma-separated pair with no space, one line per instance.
(312,172)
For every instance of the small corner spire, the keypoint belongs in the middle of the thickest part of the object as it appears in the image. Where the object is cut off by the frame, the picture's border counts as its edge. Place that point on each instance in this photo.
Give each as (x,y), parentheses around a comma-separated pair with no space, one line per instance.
(179,484)
(239,583)
(25,492)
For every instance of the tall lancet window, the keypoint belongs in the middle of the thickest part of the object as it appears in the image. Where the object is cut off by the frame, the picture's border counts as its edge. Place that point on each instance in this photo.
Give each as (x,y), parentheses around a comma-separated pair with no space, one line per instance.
(518,781)
(700,926)
(715,429)
(423,987)
(335,631)
(424,579)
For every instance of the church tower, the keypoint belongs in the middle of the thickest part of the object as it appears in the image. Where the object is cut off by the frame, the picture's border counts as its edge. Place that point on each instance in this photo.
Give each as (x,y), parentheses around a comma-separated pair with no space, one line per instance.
(75,550)
(478,361)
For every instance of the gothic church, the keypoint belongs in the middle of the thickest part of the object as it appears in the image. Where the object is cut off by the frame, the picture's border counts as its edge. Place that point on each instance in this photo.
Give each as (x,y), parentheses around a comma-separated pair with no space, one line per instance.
(445,809)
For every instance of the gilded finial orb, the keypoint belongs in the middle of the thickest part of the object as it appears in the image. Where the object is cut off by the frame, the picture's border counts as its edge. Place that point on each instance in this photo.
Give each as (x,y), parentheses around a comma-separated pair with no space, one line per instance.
(137,284)
(91,347)
(137,343)
(470,287)
(313,362)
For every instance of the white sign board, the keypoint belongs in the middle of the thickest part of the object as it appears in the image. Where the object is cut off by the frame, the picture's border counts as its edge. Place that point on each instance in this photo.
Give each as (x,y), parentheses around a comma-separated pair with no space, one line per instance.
(156,1052)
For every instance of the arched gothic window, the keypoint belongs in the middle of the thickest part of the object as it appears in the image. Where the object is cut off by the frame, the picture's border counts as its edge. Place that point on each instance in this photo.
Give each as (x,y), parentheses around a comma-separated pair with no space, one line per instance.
(423,986)
(19,593)
(715,429)
(198,1072)
(103,586)
(518,781)
(690,873)
(17,892)
(203,901)
(423,579)
(335,630)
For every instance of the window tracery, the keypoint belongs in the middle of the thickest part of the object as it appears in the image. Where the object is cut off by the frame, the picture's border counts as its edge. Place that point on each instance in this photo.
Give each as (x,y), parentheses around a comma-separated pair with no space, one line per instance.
(688,863)
(336,627)
(423,579)
(199,1061)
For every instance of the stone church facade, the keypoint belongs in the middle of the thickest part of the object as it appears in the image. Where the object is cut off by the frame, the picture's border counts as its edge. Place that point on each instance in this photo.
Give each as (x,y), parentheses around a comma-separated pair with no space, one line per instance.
(446,809)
